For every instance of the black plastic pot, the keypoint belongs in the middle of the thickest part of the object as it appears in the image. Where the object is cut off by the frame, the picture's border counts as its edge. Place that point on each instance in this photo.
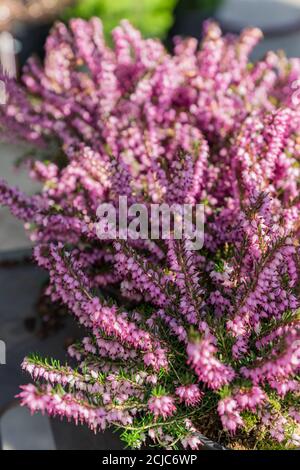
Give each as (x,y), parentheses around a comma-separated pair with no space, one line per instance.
(188,21)
(211,445)
(31,38)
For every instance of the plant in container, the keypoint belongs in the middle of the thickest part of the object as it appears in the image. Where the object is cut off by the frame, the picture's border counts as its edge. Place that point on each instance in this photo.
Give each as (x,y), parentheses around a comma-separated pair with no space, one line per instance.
(179,343)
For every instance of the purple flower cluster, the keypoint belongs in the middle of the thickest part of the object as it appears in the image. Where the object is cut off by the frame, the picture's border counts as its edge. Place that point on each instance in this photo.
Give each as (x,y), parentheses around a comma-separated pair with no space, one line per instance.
(174,336)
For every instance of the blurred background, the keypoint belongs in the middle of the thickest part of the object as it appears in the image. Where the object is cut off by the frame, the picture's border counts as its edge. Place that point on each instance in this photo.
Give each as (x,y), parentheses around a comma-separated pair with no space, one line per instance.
(24,26)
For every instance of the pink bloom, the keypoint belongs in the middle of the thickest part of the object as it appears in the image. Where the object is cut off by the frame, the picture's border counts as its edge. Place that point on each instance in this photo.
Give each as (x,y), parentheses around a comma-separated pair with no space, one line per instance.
(193,442)
(202,358)
(229,414)
(31,398)
(189,394)
(162,406)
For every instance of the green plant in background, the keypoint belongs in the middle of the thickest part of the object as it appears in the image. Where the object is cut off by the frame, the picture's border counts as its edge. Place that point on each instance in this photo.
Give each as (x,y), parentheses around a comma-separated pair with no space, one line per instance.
(152,17)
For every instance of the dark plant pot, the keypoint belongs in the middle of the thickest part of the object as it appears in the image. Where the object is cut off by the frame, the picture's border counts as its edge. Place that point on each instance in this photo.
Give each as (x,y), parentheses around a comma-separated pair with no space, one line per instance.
(31,38)
(211,445)
(188,23)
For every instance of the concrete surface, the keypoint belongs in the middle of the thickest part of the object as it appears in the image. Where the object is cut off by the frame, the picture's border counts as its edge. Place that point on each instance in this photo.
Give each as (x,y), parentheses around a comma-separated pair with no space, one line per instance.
(22,431)
(267,15)
(12,234)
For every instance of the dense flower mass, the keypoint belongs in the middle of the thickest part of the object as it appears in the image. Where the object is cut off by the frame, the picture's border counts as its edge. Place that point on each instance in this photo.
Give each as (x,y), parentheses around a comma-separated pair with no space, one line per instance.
(175,339)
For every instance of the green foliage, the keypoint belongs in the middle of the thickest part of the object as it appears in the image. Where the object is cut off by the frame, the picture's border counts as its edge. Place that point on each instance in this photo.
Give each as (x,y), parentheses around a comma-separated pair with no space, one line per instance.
(158,391)
(132,439)
(152,17)
(250,421)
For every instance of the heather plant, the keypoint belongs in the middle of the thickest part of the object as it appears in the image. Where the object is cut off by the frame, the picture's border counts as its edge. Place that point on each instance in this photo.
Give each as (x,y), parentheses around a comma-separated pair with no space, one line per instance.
(178,344)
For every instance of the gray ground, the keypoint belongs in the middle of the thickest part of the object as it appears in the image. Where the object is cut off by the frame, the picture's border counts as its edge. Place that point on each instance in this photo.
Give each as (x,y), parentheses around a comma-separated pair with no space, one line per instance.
(12,235)
(265,14)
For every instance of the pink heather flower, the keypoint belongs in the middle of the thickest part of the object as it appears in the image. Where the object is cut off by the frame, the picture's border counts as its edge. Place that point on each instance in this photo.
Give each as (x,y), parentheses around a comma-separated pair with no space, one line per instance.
(295,414)
(189,394)
(250,399)
(202,358)
(276,424)
(162,406)
(295,440)
(229,414)
(31,398)
(192,442)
